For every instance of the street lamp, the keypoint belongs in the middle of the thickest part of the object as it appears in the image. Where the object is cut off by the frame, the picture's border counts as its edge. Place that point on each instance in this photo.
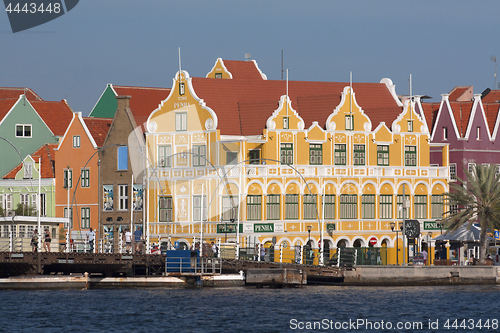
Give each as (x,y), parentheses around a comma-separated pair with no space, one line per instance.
(429,247)
(393,226)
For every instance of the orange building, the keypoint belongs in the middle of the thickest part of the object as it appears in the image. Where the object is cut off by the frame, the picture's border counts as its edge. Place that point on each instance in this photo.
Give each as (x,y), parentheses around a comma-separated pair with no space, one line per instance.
(77,172)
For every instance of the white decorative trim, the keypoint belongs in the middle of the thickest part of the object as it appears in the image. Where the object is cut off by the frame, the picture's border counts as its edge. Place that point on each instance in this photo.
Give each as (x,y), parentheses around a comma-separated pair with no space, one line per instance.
(407,108)
(270,124)
(477,103)
(223,66)
(331,126)
(264,76)
(392,89)
(200,101)
(152,127)
(445,100)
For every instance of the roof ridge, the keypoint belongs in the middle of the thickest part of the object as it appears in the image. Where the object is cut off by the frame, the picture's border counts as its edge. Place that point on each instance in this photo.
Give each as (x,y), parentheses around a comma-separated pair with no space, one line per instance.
(139,87)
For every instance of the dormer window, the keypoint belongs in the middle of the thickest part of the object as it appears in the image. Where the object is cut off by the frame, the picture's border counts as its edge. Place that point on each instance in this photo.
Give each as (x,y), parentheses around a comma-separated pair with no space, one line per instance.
(218,75)
(410,125)
(28,170)
(285,122)
(349,122)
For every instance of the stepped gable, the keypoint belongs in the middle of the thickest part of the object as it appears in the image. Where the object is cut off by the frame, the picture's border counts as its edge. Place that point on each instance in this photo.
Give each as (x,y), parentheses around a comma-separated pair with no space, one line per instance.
(492,97)
(243,106)
(461,112)
(491,112)
(46,152)
(98,128)
(11,92)
(57,115)
(143,100)
(430,112)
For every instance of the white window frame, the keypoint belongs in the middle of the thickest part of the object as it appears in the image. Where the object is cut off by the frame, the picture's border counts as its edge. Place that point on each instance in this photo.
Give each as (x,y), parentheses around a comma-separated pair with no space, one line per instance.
(76,141)
(123,197)
(25,126)
(68,178)
(85,218)
(349,122)
(24,199)
(164,156)
(181,121)
(85,178)
(453,172)
(28,170)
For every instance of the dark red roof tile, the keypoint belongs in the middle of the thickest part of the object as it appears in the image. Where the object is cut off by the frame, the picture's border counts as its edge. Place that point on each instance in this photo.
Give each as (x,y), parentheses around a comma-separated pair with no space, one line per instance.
(46,152)
(57,115)
(8,92)
(143,100)
(243,106)
(98,128)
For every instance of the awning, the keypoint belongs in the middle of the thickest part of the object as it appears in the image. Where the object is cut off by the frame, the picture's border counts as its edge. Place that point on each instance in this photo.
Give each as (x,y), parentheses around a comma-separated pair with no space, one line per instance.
(463,235)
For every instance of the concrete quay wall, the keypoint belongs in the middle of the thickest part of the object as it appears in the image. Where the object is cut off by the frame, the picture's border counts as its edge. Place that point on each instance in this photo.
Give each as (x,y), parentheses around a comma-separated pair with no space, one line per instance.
(421,275)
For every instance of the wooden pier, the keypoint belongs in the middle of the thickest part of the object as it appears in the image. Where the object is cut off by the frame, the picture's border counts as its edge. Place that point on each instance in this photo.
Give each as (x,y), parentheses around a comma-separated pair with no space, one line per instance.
(105,264)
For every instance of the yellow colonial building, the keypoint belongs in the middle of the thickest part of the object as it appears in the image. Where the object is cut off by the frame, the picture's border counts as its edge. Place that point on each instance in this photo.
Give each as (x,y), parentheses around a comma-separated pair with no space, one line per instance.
(289,162)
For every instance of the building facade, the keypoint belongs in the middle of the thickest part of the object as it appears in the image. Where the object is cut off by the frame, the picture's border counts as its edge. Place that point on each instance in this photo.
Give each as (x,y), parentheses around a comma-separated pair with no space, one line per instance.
(240,158)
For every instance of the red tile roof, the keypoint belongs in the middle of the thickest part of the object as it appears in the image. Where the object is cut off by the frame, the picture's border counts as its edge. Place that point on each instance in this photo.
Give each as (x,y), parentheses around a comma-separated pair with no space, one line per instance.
(492,97)
(491,112)
(5,106)
(98,128)
(8,92)
(144,100)
(243,106)
(243,70)
(430,113)
(457,92)
(46,152)
(57,115)
(461,112)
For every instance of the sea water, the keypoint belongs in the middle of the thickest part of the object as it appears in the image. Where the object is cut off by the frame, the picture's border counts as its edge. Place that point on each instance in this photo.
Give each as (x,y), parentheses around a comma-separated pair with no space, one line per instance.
(245,309)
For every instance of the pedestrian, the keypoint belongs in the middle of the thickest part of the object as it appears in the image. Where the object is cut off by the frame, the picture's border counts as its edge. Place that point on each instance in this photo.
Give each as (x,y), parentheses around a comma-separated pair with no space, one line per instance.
(214,250)
(128,241)
(262,253)
(90,239)
(34,240)
(424,255)
(47,240)
(138,239)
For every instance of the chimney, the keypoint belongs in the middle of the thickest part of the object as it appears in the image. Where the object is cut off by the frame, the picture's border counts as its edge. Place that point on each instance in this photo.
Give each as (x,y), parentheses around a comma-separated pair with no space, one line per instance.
(123,101)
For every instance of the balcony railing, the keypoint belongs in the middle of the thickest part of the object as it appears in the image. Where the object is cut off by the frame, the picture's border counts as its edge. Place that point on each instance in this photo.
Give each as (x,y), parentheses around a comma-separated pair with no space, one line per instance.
(305,170)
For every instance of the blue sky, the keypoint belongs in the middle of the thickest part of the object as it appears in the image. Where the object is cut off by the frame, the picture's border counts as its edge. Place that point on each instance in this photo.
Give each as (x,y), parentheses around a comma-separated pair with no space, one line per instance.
(443,44)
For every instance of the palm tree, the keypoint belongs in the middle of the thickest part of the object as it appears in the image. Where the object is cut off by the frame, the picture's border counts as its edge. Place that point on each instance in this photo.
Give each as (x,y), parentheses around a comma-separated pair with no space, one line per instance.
(478,201)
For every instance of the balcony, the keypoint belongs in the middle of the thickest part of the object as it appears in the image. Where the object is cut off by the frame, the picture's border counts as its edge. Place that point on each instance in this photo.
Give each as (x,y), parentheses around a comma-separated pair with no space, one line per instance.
(258,171)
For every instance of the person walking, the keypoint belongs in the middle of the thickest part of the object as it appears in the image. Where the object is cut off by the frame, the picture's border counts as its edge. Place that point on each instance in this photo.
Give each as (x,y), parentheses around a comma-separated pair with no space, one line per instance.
(128,241)
(34,240)
(138,239)
(47,240)
(90,239)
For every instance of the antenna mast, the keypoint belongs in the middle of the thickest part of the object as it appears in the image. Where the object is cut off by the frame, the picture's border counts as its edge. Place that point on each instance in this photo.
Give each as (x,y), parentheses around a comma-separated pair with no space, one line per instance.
(179,64)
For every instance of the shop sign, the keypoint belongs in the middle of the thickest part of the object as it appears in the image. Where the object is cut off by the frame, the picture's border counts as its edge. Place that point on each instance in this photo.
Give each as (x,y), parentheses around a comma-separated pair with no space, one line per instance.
(228,228)
(330,226)
(263,227)
(431,225)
